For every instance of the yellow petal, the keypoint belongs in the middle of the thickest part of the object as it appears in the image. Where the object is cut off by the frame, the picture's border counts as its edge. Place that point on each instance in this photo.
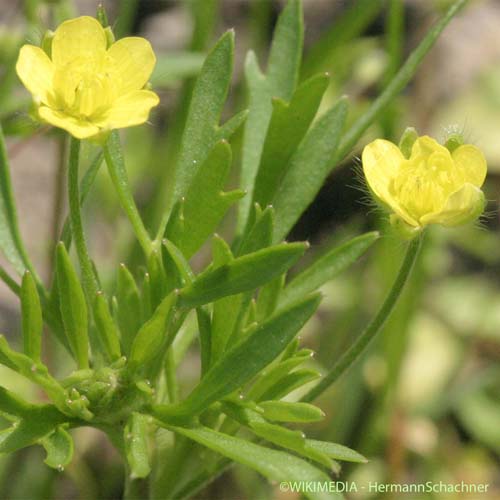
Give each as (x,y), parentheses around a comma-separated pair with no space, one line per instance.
(472,162)
(80,129)
(82,37)
(36,71)
(425,146)
(130,109)
(381,162)
(465,205)
(133,60)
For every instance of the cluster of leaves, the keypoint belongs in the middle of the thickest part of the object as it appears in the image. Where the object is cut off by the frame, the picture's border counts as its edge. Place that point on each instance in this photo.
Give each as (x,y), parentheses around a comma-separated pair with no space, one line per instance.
(127,343)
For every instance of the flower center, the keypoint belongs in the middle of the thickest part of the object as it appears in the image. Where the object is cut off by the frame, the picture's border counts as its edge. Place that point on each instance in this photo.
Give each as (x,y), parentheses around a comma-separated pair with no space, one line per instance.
(424,183)
(84,88)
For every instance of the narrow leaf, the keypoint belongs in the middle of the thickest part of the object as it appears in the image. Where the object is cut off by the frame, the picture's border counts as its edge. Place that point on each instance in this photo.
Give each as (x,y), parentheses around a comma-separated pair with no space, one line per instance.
(337,451)
(275,465)
(136,445)
(286,51)
(240,275)
(308,169)
(281,80)
(36,372)
(109,336)
(150,341)
(31,315)
(128,310)
(73,307)
(285,411)
(205,204)
(289,123)
(246,359)
(327,267)
(207,102)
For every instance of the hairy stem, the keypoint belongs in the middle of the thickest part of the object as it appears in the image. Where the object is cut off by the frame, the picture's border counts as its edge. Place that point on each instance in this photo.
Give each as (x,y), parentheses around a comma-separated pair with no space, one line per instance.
(116,167)
(361,343)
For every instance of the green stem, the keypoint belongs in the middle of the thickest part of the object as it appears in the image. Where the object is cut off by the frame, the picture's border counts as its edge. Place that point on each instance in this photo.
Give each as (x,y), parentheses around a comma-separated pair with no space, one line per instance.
(90,284)
(9,281)
(361,343)
(397,84)
(171,376)
(116,168)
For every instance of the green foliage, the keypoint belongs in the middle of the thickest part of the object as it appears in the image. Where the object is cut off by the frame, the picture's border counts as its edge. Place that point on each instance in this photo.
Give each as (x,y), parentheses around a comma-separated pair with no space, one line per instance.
(239,303)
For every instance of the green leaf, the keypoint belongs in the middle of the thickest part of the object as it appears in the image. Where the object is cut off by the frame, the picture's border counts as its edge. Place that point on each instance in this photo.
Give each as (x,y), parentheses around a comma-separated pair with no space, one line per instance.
(229,128)
(36,372)
(42,420)
(259,116)
(309,167)
(276,434)
(240,275)
(173,67)
(270,376)
(282,75)
(288,383)
(205,334)
(109,335)
(269,296)
(289,123)
(59,447)
(11,404)
(10,238)
(207,102)
(136,445)
(31,315)
(337,451)
(157,277)
(275,465)
(128,312)
(73,307)
(260,234)
(151,340)
(247,358)
(176,266)
(197,215)
(286,51)
(327,267)
(284,411)
(226,310)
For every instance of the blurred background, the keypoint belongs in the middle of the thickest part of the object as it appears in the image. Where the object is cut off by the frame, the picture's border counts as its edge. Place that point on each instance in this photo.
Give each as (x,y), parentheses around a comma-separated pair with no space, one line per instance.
(424,403)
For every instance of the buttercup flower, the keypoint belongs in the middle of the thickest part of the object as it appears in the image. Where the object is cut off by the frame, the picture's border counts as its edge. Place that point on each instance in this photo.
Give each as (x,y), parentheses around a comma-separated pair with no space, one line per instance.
(432,186)
(85,87)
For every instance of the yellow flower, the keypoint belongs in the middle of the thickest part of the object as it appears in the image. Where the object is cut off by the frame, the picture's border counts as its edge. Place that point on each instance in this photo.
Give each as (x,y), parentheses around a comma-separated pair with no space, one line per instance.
(85,87)
(432,186)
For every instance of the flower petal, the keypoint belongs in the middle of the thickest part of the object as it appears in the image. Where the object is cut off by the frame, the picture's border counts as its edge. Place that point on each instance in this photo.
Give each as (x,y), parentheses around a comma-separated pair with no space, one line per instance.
(80,129)
(82,37)
(465,205)
(133,60)
(381,164)
(381,161)
(36,71)
(425,146)
(472,162)
(130,109)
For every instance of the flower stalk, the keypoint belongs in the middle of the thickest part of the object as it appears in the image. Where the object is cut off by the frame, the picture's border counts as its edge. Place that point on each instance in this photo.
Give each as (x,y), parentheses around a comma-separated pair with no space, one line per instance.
(89,280)
(371,331)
